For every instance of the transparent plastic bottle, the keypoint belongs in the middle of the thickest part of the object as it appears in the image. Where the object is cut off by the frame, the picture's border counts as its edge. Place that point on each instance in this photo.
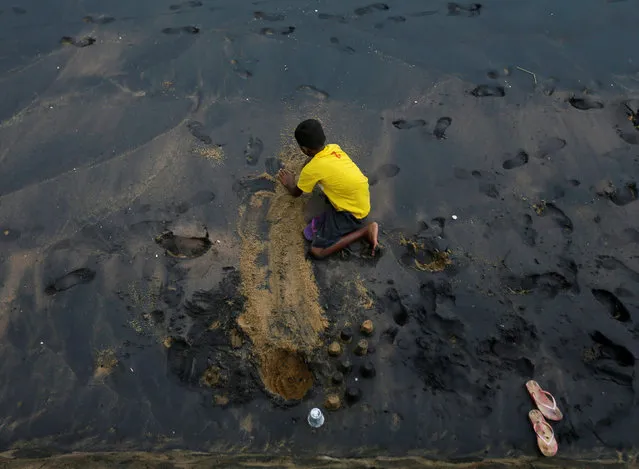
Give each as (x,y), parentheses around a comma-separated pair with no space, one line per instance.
(315,418)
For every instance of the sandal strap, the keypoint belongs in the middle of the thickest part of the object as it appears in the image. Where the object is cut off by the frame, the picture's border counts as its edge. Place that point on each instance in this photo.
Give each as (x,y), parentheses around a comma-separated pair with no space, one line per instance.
(540,434)
(548,395)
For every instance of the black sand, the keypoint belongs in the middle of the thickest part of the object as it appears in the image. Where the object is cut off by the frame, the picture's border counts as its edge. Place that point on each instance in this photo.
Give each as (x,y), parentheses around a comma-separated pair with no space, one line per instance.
(505,170)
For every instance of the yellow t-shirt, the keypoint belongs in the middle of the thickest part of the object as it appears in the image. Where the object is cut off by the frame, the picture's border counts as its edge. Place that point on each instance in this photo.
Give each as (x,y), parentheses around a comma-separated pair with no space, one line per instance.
(340,179)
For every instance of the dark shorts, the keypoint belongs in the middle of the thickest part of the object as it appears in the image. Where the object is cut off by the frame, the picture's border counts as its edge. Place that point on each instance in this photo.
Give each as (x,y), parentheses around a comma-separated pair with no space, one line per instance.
(334,226)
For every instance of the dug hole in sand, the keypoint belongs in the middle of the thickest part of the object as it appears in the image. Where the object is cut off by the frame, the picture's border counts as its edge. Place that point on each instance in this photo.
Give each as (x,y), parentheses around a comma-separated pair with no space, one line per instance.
(282,315)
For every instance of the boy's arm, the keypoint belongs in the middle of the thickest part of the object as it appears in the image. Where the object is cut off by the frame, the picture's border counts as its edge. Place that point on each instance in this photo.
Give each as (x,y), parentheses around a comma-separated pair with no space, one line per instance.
(288,180)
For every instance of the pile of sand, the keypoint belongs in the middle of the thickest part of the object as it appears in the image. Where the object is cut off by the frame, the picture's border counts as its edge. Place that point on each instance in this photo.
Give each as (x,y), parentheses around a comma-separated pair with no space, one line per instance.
(282,315)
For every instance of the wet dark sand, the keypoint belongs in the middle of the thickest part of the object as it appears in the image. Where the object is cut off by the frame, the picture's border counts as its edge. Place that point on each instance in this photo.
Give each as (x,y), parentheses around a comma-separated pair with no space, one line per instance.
(113,341)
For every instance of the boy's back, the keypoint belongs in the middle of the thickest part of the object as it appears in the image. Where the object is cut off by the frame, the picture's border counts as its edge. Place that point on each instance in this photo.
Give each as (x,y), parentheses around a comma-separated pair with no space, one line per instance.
(340,179)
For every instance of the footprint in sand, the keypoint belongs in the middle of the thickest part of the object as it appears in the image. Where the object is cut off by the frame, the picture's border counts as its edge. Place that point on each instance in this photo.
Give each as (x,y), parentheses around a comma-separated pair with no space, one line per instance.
(562,220)
(616,308)
(469,9)
(260,15)
(253,150)
(626,121)
(84,42)
(198,199)
(489,189)
(619,197)
(372,8)
(520,159)
(250,185)
(277,31)
(273,165)
(240,71)
(385,171)
(390,20)
(346,49)
(330,17)
(396,307)
(585,104)
(527,232)
(549,147)
(482,91)
(196,129)
(421,14)
(182,247)
(403,124)
(70,280)
(441,126)
(609,350)
(98,20)
(189,4)
(181,30)
(314,92)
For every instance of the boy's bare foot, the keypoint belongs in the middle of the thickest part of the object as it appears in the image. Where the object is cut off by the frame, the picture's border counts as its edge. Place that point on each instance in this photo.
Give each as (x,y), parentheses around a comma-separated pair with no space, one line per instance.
(373,230)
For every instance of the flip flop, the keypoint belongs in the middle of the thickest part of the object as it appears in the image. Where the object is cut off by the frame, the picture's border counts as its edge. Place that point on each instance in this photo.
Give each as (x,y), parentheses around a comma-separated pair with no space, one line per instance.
(545,435)
(544,401)
(313,226)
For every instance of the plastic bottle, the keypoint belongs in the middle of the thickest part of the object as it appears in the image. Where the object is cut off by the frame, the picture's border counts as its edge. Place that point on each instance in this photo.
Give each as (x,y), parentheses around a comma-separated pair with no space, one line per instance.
(315,418)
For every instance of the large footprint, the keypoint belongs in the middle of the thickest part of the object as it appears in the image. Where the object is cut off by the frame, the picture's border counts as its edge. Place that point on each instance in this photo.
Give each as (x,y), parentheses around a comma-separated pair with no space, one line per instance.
(483,91)
(520,159)
(403,124)
(182,247)
(70,280)
(253,150)
(385,171)
(440,127)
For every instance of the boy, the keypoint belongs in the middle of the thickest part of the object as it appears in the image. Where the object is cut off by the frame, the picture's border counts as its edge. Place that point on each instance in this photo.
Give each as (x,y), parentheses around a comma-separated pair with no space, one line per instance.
(345,187)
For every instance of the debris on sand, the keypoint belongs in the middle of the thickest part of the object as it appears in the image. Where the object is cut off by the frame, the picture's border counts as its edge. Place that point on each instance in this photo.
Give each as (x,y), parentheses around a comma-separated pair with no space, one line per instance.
(441,259)
(211,376)
(364,297)
(220,400)
(105,363)
(540,207)
(213,153)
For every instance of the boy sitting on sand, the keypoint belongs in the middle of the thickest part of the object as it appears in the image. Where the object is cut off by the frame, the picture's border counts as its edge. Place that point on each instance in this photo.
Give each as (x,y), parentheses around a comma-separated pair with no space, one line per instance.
(343,184)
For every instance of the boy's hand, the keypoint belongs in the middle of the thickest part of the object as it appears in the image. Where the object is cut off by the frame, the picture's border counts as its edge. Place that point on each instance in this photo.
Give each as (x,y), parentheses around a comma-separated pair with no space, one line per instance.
(286,178)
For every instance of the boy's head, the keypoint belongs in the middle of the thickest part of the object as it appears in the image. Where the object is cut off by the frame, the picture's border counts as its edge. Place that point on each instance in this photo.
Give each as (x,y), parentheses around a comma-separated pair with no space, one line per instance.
(310,137)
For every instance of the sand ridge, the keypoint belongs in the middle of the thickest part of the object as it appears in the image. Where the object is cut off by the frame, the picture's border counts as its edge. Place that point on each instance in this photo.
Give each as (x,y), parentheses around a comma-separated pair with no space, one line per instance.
(282,316)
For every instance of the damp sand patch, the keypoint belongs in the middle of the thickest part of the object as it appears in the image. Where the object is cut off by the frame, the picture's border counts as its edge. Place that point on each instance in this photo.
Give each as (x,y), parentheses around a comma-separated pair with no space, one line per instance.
(212,153)
(282,315)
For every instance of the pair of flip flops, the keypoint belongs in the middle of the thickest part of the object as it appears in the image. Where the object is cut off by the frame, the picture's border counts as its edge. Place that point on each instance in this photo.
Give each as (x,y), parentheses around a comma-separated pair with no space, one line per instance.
(547,409)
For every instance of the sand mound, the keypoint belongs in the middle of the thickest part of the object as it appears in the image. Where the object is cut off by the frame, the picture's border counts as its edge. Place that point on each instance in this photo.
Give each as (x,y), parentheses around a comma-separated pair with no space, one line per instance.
(282,315)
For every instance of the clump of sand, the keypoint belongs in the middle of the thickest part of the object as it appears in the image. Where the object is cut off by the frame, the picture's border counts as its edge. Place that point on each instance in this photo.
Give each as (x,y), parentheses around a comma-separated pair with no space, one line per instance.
(105,363)
(282,315)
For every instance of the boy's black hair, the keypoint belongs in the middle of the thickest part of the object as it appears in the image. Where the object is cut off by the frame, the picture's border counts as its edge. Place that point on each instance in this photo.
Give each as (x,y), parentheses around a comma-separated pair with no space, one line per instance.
(310,134)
